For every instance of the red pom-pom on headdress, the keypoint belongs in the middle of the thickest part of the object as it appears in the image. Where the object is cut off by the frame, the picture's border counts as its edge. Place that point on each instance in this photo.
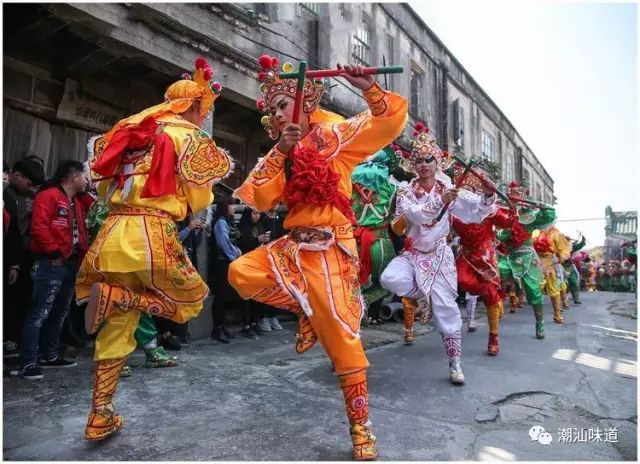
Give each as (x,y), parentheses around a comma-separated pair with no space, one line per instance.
(513,184)
(208,73)
(260,104)
(266,62)
(420,128)
(201,63)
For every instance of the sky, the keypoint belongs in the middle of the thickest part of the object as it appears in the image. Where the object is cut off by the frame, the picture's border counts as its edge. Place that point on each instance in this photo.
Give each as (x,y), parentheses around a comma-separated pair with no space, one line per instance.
(565,74)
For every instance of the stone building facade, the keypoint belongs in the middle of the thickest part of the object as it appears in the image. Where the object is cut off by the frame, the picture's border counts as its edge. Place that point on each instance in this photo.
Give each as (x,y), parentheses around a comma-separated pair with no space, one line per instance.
(71,70)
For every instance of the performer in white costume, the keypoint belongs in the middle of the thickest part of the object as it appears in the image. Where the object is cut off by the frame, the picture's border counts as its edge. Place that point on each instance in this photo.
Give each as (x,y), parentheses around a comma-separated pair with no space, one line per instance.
(426,268)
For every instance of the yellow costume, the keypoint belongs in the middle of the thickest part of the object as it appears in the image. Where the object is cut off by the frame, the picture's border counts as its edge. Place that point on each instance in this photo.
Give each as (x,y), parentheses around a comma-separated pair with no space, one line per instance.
(313,271)
(553,248)
(136,263)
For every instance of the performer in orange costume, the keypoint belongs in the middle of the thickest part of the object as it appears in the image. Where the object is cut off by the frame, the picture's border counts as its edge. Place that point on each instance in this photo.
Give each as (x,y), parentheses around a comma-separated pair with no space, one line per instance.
(477,264)
(152,169)
(313,271)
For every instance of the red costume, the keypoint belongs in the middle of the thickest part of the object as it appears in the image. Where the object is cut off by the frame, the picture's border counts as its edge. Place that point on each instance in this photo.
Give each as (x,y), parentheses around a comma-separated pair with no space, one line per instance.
(477,266)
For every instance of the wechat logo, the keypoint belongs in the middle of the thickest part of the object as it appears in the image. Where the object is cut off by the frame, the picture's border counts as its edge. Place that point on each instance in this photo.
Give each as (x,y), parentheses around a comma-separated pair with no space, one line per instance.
(539,434)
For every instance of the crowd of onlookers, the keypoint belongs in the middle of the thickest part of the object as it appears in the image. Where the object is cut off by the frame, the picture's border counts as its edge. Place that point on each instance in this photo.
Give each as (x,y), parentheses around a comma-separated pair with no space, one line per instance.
(47,233)
(608,276)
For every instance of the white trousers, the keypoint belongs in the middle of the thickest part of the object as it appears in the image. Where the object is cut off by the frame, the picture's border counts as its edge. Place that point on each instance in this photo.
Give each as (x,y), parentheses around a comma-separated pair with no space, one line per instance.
(400,278)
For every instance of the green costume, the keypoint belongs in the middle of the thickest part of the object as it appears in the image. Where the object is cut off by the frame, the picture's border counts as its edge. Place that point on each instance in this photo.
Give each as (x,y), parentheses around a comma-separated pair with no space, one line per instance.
(522,263)
(371,201)
(573,278)
(146,331)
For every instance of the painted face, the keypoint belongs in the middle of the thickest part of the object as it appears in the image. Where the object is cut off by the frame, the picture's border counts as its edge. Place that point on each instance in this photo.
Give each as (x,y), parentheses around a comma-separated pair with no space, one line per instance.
(425,167)
(281,111)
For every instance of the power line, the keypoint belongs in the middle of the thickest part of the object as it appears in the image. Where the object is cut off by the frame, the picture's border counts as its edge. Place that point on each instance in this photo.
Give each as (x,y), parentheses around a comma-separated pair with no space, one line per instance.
(585,219)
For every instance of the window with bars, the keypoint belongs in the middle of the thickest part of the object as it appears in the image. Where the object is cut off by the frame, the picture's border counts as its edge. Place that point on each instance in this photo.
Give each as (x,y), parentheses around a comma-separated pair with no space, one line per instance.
(488,145)
(361,44)
(538,191)
(509,167)
(309,8)
(457,112)
(417,85)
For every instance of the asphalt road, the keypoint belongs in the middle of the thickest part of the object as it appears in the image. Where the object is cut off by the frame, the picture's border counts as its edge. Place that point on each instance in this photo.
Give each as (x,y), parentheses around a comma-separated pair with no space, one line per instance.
(259,400)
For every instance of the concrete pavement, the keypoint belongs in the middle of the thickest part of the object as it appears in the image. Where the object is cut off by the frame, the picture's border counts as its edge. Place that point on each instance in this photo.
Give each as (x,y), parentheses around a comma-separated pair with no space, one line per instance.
(259,400)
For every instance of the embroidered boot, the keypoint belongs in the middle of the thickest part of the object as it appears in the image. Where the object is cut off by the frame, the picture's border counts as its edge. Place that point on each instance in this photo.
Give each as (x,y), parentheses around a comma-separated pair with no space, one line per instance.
(513,302)
(455,371)
(575,295)
(409,313)
(557,311)
(539,314)
(471,302)
(493,314)
(453,346)
(103,421)
(356,398)
(306,337)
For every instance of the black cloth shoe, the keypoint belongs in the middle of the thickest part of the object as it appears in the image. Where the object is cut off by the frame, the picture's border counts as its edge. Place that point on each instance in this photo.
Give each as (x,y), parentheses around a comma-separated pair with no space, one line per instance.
(248,333)
(219,335)
(170,343)
(59,362)
(31,372)
(255,328)
(227,333)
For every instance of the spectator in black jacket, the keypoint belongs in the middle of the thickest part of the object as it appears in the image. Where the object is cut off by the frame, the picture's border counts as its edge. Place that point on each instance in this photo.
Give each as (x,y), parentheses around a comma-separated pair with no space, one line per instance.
(22,184)
(252,235)
(271,223)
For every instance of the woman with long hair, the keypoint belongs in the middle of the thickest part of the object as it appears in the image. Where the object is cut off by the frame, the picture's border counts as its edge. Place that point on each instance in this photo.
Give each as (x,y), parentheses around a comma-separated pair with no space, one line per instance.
(252,235)
(225,235)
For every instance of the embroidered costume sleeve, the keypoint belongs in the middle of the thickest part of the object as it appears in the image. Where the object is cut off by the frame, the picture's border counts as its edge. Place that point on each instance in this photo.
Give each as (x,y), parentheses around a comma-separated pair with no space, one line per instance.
(472,208)
(368,132)
(579,245)
(562,246)
(424,213)
(544,218)
(200,164)
(264,187)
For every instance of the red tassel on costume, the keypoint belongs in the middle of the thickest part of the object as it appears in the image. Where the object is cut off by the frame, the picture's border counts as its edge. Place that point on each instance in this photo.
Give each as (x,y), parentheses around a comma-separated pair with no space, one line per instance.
(366,239)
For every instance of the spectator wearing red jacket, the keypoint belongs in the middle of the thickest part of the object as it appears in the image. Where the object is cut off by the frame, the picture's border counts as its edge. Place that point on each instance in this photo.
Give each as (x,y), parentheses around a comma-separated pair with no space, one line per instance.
(58,241)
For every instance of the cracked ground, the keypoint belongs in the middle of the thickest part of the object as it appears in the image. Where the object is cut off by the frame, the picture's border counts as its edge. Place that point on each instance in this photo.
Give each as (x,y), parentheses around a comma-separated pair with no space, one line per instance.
(258,400)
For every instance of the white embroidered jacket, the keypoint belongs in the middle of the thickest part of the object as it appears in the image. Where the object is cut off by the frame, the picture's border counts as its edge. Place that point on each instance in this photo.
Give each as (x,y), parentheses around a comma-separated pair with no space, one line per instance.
(420,209)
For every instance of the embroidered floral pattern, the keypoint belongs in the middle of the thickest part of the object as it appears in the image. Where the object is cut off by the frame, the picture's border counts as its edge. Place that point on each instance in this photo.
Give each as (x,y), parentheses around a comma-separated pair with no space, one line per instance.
(201,162)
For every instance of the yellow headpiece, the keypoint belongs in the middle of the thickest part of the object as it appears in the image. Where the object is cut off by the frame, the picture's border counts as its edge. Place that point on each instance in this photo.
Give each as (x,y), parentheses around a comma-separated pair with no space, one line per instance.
(180,96)
(272,85)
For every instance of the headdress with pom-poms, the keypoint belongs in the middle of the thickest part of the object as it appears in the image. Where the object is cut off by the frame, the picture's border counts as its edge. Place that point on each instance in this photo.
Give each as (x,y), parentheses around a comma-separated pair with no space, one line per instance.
(424,145)
(272,85)
(404,157)
(517,191)
(203,75)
